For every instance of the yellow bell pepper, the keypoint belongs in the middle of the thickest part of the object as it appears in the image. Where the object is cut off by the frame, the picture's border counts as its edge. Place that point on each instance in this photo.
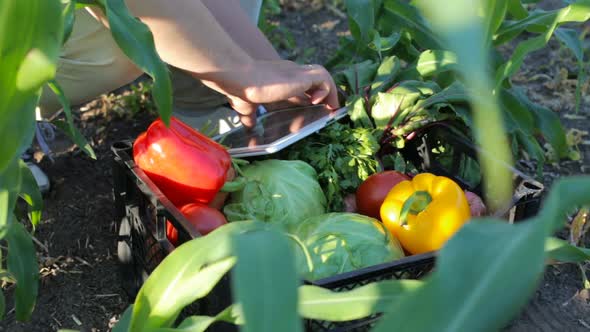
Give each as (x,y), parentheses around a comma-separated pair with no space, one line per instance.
(425,212)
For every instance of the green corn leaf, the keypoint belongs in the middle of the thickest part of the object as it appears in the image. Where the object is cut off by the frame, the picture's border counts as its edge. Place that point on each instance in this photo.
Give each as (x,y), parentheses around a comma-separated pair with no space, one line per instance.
(571,39)
(124,323)
(28,53)
(69,128)
(186,275)
(510,67)
(10,179)
(232,314)
(555,208)
(266,258)
(433,62)
(548,124)
(578,12)
(463,29)
(541,21)
(22,264)
(324,304)
(29,191)
(537,21)
(361,18)
(518,116)
(68,14)
(495,13)
(520,121)
(467,280)
(136,41)
(517,10)
(17,128)
(562,251)
(36,69)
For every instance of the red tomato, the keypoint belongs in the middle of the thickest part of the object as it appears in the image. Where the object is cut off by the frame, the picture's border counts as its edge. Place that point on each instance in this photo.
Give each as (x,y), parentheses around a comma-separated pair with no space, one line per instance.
(371,193)
(204,218)
(171,233)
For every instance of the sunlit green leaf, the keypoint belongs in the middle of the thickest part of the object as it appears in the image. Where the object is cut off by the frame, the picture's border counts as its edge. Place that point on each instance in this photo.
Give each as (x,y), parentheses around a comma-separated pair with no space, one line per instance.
(69,128)
(324,304)
(386,73)
(186,275)
(36,69)
(136,41)
(22,264)
(29,191)
(201,323)
(433,62)
(358,113)
(388,105)
(562,251)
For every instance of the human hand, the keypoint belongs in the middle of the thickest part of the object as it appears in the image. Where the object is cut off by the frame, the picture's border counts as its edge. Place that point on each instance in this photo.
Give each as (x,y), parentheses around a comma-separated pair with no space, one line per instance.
(277,83)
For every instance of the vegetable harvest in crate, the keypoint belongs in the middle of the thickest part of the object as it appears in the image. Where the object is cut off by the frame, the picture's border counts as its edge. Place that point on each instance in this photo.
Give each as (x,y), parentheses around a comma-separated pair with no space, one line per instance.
(391,213)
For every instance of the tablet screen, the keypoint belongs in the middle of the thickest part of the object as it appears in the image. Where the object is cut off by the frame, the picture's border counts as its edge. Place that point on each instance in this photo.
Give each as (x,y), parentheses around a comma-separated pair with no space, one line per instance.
(274,126)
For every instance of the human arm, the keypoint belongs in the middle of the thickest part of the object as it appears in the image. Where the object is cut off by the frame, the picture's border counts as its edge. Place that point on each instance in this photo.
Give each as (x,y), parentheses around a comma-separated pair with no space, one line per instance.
(188,36)
(241,29)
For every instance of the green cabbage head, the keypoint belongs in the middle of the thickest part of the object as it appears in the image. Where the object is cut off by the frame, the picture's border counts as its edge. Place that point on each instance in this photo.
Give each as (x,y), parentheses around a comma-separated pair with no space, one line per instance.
(282,192)
(335,243)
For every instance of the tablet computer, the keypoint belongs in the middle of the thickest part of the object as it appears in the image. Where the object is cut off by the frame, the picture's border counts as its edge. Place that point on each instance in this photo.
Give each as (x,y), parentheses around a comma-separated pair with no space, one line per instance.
(278,129)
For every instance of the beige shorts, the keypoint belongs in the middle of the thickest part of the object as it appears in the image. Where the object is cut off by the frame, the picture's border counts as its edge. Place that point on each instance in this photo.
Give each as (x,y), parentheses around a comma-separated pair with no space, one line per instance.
(91,64)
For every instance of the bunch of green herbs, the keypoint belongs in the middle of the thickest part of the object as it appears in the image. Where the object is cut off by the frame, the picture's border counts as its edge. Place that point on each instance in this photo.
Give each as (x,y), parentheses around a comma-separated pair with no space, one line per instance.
(342,156)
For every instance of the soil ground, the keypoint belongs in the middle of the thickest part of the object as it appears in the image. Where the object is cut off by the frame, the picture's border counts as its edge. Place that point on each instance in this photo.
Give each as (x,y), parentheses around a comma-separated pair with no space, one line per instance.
(80,285)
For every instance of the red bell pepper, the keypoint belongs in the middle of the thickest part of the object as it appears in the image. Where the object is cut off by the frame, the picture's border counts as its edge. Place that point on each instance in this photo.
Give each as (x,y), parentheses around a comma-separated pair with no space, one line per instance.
(186,165)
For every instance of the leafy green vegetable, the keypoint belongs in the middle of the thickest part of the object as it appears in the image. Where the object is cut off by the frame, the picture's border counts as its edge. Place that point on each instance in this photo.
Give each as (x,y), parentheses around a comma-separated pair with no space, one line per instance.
(283,192)
(343,242)
(342,156)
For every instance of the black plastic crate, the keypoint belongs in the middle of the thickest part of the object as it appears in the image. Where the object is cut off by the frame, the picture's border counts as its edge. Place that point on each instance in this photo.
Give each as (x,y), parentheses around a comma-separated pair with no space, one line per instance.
(142,211)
